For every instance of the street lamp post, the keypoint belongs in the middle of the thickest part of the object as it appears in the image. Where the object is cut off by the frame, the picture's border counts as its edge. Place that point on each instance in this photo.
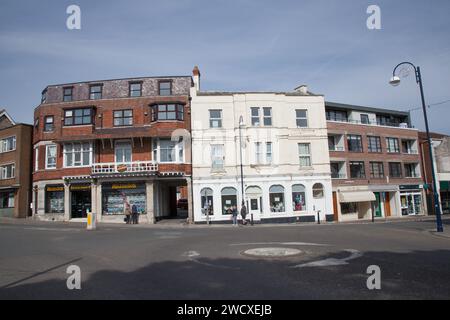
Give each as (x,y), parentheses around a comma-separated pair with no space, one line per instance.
(241,124)
(395,81)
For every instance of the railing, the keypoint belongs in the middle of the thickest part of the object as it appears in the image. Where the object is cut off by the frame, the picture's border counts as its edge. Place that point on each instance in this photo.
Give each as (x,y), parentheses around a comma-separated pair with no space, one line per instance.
(338,176)
(374,123)
(410,151)
(128,167)
(335,148)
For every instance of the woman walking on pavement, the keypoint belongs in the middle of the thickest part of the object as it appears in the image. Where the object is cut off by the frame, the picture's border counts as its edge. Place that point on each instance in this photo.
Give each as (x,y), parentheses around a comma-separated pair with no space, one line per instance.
(243,213)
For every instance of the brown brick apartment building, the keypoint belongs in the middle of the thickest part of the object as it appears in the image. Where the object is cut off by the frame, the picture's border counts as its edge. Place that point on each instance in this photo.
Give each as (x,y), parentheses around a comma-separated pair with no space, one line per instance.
(15,167)
(375,163)
(100,144)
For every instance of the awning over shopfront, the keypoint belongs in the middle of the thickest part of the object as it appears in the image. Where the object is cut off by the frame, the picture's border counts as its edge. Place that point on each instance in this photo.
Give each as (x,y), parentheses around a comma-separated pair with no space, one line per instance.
(356,196)
(445,185)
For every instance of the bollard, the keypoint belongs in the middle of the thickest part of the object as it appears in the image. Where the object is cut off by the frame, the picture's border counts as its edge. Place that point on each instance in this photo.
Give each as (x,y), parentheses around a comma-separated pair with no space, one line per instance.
(91,223)
(251,217)
(318,217)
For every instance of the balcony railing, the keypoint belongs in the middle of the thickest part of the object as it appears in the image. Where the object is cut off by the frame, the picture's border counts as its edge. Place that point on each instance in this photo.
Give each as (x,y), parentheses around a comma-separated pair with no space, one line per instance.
(374,123)
(128,167)
(338,176)
(335,148)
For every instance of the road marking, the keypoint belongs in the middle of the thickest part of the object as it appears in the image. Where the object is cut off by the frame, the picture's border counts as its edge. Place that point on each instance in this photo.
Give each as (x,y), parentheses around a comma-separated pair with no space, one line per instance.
(192,255)
(354,254)
(282,243)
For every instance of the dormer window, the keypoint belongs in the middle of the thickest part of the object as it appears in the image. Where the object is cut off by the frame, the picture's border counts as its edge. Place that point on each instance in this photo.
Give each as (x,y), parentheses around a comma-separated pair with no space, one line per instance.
(95,92)
(165,88)
(136,89)
(67,94)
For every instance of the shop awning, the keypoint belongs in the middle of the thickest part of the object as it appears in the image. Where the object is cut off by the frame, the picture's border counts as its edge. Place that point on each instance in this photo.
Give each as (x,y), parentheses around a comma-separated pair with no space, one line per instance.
(445,185)
(357,196)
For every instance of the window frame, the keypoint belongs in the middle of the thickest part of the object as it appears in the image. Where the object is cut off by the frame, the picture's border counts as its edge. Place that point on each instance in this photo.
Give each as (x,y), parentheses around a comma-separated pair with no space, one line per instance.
(82,152)
(123,117)
(4,170)
(305,156)
(92,95)
(366,118)
(378,148)
(299,119)
(67,95)
(400,172)
(178,111)
(269,155)
(73,117)
(47,165)
(4,144)
(215,157)
(362,173)
(265,117)
(178,151)
(350,138)
(211,119)
(52,123)
(378,165)
(253,117)
(130,90)
(396,145)
(160,89)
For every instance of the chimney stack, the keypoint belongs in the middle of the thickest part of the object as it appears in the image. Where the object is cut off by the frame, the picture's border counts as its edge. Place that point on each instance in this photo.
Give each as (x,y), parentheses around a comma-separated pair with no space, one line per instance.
(196,76)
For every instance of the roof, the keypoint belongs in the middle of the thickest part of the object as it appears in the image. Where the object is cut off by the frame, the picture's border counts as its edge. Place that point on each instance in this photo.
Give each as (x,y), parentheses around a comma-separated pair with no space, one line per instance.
(366,109)
(117,79)
(229,93)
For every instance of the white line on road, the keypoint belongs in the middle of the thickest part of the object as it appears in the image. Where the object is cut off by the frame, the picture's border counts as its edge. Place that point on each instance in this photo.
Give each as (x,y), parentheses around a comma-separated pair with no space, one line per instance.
(281,243)
(354,254)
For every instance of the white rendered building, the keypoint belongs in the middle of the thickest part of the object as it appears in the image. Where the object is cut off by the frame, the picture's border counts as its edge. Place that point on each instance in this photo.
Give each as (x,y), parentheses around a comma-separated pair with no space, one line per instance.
(285,159)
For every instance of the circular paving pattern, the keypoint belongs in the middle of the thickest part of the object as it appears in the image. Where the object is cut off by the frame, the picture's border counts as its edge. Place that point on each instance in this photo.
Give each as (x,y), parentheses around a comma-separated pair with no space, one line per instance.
(272,252)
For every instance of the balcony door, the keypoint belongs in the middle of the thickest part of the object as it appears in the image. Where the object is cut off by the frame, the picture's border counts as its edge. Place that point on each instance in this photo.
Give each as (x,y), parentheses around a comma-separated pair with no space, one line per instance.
(123,151)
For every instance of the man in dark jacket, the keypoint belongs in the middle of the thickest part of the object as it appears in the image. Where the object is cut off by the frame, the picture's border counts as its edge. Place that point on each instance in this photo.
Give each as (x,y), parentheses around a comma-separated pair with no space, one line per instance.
(243,213)
(134,214)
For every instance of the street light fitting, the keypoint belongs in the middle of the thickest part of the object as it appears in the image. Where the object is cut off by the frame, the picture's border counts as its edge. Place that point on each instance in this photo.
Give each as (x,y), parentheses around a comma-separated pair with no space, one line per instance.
(395,81)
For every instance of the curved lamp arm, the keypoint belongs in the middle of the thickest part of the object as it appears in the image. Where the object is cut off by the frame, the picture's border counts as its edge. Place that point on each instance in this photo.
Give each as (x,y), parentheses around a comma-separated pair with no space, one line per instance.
(412,65)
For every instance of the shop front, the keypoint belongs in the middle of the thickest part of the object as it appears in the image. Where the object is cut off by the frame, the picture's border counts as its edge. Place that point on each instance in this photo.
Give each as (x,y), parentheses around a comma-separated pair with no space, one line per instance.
(54,199)
(80,195)
(445,196)
(411,200)
(115,195)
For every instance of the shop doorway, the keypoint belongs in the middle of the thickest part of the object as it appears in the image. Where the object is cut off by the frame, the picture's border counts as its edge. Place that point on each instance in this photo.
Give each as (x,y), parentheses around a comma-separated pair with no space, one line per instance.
(80,203)
(377,205)
(172,200)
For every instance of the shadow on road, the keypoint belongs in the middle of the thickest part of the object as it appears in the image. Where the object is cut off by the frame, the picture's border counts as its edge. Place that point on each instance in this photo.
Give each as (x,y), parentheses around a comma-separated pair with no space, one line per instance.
(412,275)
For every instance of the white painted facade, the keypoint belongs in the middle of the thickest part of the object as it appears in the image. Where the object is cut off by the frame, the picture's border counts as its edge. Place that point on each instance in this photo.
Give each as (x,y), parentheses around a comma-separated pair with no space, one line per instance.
(274,165)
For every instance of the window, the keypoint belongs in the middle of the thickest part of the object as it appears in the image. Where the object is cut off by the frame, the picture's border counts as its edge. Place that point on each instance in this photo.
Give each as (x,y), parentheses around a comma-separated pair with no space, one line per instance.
(77,154)
(318,192)
(299,197)
(408,146)
(268,152)
(276,198)
(349,208)
(217,156)
(123,151)
(8,171)
(229,199)
(258,153)
(207,201)
(165,88)
(6,200)
(49,124)
(392,145)
(36,159)
(54,199)
(411,170)
(50,156)
(354,143)
(123,118)
(36,124)
(76,117)
(8,144)
(95,92)
(365,119)
(376,170)
(374,144)
(267,115)
(255,117)
(168,112)
(44,96)
(301,118)
(333,115)
(338,170)
(168,151)
(395,169)
(357,170)
(215,118)
(136,89)
(67,94)
(304,153)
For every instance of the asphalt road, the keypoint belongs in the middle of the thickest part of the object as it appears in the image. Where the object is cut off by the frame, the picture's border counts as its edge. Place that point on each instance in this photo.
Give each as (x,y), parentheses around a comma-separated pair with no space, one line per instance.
(137,262)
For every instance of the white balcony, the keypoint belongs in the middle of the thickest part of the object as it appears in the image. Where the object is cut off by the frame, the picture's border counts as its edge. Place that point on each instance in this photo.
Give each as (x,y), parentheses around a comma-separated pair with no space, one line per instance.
(124,168)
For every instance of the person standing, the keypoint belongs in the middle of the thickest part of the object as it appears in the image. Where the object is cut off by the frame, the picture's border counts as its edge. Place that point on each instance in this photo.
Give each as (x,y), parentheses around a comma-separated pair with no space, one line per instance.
(127,213)
(234,213)
(243,213)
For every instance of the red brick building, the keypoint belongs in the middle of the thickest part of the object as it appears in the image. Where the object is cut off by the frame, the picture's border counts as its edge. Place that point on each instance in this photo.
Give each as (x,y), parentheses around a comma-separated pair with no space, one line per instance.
(375,163)
(100,144)
(15,167)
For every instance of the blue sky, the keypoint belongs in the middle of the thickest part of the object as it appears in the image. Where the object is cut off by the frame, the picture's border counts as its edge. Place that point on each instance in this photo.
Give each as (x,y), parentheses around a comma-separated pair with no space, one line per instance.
(238,45)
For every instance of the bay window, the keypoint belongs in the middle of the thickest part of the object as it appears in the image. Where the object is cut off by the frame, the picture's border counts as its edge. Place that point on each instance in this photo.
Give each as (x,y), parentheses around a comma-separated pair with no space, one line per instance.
(77,154)
(168,151)
(50,156)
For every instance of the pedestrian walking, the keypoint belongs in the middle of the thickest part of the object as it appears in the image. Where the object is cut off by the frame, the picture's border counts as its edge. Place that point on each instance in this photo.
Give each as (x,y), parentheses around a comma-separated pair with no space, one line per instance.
(243,213)
(127,212)
(134,214)
(234,213)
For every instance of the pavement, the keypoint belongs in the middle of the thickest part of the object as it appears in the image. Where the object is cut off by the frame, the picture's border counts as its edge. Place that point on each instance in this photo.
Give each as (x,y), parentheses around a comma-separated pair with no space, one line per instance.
(327,261)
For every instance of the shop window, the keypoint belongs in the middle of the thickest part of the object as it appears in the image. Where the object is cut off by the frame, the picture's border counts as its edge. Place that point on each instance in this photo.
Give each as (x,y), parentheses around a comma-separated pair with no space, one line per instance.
(349,208)
(54,199)
(276,197)
(6,200)
(318,192)
(298,197)
(207,201)
(114,197)
(229,199)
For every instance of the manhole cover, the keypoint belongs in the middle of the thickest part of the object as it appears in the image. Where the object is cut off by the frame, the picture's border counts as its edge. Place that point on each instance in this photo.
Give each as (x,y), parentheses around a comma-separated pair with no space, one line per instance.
(272,252)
